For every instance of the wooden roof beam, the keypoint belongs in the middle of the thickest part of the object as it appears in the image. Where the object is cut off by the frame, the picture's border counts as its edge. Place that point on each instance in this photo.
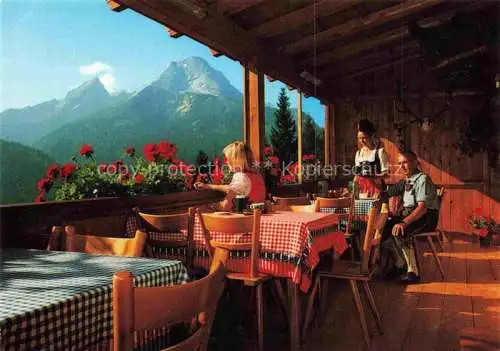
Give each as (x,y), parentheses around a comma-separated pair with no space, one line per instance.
(363,23)
(233,7)
(115,6)
(201,23)
(350,65)
(173,33)
(300,17)
(269,78)
(393,36)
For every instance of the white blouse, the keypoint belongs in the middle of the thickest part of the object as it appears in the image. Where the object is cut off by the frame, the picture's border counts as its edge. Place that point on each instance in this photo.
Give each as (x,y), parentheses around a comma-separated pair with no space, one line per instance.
(370,157)
(240,184)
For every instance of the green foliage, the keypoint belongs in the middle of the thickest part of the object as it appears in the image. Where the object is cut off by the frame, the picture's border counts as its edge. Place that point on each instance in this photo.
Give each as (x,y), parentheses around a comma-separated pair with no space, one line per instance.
(284,132)
(20,167)
(157,173)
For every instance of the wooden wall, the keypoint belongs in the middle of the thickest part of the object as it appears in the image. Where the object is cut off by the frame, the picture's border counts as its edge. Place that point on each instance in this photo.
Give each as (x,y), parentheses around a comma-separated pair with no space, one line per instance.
(470,182)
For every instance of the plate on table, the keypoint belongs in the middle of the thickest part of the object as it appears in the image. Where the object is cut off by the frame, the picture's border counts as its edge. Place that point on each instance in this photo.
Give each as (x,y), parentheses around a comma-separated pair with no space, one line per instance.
(223,213)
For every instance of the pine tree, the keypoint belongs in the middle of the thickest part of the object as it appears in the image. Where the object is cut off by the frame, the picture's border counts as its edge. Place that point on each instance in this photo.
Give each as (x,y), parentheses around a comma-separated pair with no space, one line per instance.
(309,136)
(284,132)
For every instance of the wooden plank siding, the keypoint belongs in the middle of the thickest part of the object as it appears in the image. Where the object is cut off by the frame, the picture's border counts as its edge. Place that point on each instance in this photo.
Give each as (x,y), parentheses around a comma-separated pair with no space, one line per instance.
(469,181)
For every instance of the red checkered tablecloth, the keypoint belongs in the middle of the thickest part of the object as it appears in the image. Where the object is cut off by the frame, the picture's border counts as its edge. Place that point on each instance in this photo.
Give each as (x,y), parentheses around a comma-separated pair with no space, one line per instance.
(290,244)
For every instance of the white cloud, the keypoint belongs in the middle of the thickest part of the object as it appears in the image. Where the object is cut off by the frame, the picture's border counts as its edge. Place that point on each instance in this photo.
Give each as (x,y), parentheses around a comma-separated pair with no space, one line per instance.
(109,82)
(95,68)
(104,72)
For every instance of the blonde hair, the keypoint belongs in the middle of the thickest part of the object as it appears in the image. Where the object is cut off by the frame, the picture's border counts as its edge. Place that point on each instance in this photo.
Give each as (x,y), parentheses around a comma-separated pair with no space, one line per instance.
(239,156)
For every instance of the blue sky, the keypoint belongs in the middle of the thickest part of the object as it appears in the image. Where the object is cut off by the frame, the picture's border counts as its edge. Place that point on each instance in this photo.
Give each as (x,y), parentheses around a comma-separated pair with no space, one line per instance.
(47,44)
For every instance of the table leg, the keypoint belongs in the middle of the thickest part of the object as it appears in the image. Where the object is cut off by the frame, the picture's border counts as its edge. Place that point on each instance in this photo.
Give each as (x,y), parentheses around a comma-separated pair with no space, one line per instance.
(294,301)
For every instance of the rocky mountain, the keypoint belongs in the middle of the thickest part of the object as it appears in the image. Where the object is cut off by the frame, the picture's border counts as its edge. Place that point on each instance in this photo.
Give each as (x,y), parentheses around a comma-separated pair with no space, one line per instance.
(26,125)
(195,75)
(21,167)
(190,104)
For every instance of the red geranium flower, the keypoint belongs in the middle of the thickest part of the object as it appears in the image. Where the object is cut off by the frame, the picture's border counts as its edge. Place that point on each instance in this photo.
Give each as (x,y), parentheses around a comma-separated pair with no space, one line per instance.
(103,168)
(44,184)
(274,160)
(53,171)
(41,198)
(268,151)
(138,179)
(86,150)
(130,151)
(67,169)
(478,211)
(112,169)
(150,152)
(166,150)
(482,231)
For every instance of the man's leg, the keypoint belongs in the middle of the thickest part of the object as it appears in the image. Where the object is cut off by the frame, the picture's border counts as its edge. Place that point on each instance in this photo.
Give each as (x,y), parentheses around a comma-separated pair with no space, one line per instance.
(427,223)
(390,245)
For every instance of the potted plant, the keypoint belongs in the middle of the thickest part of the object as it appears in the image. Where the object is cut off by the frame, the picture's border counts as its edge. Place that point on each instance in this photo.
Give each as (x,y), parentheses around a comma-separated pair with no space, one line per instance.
(157,172)
(484,227)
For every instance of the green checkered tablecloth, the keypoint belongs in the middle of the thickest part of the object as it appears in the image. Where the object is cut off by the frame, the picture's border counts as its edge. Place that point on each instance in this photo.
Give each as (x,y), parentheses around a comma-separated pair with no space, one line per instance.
(361,209)
(53,300)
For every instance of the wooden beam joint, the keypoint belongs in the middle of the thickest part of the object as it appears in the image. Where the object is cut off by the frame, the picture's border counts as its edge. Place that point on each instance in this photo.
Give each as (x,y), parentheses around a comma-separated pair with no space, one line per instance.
(173,33)
(115,6)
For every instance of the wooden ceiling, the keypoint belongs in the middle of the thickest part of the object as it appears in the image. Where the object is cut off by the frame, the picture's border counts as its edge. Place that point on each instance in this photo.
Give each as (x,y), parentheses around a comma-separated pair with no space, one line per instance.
(331,40)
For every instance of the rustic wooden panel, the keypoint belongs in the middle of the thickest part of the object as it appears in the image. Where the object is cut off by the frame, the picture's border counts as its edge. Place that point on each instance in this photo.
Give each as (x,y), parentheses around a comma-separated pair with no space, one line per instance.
(28,225)
(437,149)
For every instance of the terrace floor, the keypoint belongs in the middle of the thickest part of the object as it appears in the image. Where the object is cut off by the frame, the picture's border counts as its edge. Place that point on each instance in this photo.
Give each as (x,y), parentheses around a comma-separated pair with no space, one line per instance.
(426,316)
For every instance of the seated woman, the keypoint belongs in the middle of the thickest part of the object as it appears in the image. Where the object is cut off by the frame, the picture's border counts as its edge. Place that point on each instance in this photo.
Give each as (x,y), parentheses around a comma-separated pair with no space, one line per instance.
(371,162)
(247,180)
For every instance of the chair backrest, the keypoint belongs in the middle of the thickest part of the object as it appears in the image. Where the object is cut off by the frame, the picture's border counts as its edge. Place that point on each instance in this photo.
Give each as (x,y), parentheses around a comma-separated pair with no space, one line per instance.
(311,208)
(168,223)
(142,309)
(232,223)
(376,221)
(299,200)
(71,241)
(339,203)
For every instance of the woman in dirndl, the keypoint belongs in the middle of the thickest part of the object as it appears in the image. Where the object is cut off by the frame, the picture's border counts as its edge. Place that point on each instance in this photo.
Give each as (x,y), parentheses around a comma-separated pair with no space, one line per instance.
(371,162)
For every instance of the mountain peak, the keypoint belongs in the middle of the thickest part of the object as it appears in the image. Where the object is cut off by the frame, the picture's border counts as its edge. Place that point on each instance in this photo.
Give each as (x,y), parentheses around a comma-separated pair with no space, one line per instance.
(92,87)
(195,75)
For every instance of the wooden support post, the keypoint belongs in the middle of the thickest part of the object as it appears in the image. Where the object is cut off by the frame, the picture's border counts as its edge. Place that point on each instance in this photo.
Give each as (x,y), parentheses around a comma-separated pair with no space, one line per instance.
(299,134)
(246,106)
(114,6)
(329,134)
(254,112)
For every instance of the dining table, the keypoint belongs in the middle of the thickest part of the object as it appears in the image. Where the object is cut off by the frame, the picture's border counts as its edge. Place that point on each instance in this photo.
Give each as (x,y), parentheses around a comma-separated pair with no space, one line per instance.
(290,247)
(52,300)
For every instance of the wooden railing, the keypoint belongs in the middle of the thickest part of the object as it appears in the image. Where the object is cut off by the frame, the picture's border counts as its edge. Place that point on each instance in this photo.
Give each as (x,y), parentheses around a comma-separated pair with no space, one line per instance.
(29,225)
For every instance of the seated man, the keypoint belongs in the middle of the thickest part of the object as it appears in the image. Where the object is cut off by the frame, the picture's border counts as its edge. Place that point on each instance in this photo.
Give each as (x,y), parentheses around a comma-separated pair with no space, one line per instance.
(419,214)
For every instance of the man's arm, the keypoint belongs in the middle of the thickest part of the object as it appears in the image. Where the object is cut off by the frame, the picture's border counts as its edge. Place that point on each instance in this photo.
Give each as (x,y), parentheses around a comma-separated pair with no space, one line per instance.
(393,190)
(417,213)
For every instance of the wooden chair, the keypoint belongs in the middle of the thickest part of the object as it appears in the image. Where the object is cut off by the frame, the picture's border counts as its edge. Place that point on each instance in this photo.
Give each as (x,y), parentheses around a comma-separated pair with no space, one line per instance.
(285,201)
(66,239)
(295,208)
(142,309)
(355,271)
(341,205)
(180,225)
(438,234)
(238,224)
